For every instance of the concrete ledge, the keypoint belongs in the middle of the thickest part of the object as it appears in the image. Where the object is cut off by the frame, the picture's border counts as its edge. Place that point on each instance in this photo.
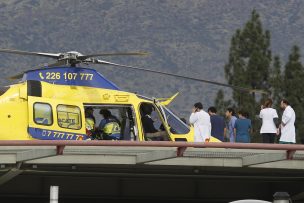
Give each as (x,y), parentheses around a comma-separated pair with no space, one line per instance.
(263,158)
(34,154)
(155,156)
(187,161)
(8,158)
(85,159)
(284,164)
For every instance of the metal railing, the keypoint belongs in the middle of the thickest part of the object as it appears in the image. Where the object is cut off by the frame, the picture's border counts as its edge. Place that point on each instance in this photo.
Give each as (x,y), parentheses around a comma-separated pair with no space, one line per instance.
(181,146)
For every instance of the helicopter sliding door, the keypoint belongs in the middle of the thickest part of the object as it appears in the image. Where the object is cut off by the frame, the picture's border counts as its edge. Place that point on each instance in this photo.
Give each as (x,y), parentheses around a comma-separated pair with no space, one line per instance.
(53,119)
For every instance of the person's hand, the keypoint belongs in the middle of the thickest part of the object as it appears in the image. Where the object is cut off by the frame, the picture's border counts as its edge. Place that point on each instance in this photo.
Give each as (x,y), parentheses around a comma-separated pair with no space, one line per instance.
(193,110)
(162,127)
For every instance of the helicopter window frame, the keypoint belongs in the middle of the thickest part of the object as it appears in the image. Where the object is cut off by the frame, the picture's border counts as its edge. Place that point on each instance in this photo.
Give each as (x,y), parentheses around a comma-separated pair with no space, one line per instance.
(132,118)
(158,112)
(80,116)
(176,121)
(51,114)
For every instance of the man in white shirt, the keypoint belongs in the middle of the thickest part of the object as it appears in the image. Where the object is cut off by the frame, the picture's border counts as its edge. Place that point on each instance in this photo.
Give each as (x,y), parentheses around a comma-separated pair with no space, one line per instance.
(288,131)
(201,122)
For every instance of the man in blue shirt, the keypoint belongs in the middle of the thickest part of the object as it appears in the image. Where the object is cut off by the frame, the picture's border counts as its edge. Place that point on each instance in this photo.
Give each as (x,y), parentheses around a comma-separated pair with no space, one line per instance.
(242,128)
(229,130)
(217,124)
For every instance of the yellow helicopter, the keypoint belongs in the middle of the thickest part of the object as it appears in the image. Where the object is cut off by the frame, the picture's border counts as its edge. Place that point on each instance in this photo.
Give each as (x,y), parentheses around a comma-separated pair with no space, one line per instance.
(64,102)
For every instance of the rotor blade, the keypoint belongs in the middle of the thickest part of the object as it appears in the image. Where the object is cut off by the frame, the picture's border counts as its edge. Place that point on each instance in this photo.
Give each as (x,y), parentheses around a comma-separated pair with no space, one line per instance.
(11,51)
(20,75)
(17,76)
(114,54)
(185,77)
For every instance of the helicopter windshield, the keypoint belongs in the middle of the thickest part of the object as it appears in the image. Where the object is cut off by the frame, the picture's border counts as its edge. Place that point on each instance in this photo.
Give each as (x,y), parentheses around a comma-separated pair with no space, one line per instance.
(177,126)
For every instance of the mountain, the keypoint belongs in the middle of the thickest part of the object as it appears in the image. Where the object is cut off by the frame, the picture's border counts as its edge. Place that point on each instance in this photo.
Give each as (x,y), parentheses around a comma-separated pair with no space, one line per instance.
(188,37)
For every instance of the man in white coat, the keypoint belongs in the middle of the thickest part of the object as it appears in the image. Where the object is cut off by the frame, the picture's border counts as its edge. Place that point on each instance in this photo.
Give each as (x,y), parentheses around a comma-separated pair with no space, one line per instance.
(201,122)
(288,131)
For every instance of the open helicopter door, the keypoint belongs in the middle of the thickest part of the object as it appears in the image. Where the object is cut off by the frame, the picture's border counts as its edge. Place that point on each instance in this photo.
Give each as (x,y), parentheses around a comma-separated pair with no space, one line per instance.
(54,119)
(178,130)
(163,117)
(167,101)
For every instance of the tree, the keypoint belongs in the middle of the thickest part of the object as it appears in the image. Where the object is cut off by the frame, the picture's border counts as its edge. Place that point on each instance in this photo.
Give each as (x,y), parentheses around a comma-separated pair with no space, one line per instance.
(220,103)
(249,64)
(293,88)
(276,82)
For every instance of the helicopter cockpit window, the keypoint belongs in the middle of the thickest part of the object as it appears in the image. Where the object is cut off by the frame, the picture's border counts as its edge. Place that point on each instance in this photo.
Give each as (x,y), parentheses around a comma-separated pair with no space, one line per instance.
(115,122)
(43,114)
(177,126)
(69,116)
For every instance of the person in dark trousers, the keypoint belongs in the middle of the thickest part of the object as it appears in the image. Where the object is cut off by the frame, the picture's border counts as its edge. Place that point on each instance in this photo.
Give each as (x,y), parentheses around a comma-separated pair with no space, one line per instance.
(217,124)
(270,122)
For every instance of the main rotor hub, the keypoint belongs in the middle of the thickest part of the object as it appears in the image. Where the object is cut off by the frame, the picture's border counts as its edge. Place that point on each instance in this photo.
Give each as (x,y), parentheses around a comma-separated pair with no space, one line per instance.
(70,58)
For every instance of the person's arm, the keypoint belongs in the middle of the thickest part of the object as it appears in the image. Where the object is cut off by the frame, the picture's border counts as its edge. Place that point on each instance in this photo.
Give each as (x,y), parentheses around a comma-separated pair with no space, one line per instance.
(276,122)
(250,130)
(286,117)
(225,131)
(151,125)
(193,118)
(261,114)
(209,128)
(102,124)
(276,119)
(234,126)
(233,121)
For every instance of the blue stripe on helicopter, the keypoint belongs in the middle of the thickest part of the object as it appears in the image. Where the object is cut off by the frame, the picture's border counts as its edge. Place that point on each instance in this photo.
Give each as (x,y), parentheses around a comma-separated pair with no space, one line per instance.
(43,134)
(75,76)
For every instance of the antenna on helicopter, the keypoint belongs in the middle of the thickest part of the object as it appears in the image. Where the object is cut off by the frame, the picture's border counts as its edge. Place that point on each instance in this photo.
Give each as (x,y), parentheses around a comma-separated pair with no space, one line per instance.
(72,58)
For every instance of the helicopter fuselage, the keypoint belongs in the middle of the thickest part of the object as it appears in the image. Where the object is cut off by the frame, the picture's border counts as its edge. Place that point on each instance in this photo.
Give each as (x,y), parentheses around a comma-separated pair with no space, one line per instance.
(38,109)
(59,112)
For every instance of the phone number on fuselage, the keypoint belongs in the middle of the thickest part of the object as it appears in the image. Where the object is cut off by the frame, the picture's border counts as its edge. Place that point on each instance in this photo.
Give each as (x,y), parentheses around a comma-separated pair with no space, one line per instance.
(66,76)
